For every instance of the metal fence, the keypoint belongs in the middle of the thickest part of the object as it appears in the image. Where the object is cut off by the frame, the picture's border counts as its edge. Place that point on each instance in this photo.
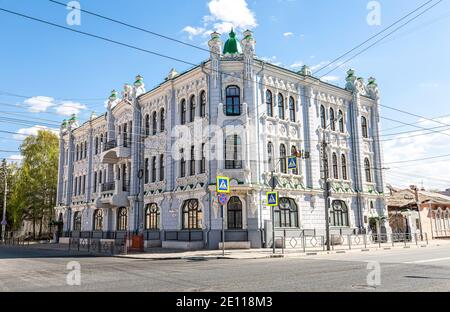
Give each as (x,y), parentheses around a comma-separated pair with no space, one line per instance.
(96,246)
(305,243)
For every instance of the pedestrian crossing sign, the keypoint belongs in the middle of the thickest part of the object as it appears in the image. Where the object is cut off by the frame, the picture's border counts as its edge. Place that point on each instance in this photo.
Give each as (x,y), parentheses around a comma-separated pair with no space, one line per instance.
(223,185)
(292,162)
(272,199)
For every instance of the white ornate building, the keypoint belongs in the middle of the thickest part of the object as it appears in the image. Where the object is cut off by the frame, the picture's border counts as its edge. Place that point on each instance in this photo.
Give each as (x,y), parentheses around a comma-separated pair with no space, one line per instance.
(149,165)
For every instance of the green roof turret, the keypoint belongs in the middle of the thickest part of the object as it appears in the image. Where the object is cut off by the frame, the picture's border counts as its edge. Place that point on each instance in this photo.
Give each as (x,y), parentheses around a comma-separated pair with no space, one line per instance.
(232,45)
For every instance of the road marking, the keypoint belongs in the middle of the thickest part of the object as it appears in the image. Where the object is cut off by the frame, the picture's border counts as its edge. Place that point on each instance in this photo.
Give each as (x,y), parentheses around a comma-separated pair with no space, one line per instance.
(429,260)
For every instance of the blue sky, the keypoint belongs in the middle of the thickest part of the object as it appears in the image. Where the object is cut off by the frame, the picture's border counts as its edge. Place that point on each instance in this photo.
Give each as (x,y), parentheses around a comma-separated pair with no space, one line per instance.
(71,70)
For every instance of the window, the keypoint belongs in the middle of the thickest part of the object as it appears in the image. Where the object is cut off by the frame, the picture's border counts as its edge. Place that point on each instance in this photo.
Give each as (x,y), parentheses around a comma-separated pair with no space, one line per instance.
(283,167)
(365,131)
(292,109)
(161,167)
(233,150)
(341,121)
(233,101)
(323,118)
(84,184)
(339,213)
(77,221)
(335,167)
(152,217)
(368,171)
(153,169)
(122,219)
(95,182)
(98,220)
(101,142)
(294,153)
(125,135)
(203,160)
(162,125)
(183,112)
(280,106)
(192,215)
(269,103)
(192,166)
(85,149)
(192,109)
(154,123)
(147,125)
(77,152)
(96,145)
(146,171)
(203,104)
(234,213)
(182,164)
(332,120)
(344,167)
(286,213)
(270,155)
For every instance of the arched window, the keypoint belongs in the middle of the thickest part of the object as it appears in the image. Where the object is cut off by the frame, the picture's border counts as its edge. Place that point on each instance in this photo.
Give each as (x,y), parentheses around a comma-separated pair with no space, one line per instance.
(192,215)
(203,104)
(147,125)
(270,155)
(154,123)
(96,145)
(101,142)
(323,118)
(77,150)
(335,167)
(234,213)
(368,171)
(162,122)
(192,166)
(98,220)
(146,171)
(77,221)
(283,155)
(341,122)
(152,217)
(122,219)
(365,131)
(192,106)
(183,112)
(339,214)
(280,106)
(153,169)
(294,152)
(161,167)
(269,103)
(233,152)
(332,120)
(182,164)
(286,214)
(344,167)
(233,101)
(292,109)
(203,160)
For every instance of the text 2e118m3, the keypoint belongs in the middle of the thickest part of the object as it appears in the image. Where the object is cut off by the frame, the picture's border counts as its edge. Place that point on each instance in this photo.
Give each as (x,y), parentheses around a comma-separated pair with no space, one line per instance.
(246,301)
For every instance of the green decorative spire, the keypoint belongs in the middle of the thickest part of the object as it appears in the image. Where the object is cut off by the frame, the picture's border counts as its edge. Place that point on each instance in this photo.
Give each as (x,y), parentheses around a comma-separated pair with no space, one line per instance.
(232,46)
(139,81)
(64,124)
(372,82)
(73,118)
(113,95)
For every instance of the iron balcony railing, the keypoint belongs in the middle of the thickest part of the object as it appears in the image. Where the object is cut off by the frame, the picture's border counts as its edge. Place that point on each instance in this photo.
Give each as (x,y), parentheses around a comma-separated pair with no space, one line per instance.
(108,187)
(110,145)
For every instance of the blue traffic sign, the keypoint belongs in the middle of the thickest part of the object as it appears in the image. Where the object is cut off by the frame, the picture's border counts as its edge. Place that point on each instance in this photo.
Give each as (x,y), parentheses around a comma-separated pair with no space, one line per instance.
(272,199)
(292,162)
(223,185)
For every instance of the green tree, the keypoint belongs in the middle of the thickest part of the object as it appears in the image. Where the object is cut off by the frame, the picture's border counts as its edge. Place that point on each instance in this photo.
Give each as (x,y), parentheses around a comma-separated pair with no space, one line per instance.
(33,195)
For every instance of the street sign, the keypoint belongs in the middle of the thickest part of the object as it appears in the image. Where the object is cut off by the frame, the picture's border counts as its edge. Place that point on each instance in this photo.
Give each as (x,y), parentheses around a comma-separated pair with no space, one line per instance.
(272,199)
(223,185)
(223,199)
(273,182)
(292,162)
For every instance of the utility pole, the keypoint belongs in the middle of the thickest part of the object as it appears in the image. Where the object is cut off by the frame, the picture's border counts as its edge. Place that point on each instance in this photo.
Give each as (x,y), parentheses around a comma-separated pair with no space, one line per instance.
(416,193)
(326,192)
(4,204)
(272,181)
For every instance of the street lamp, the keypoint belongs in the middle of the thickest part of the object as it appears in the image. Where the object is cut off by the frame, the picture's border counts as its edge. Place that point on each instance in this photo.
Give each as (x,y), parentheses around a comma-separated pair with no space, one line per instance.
(416,193)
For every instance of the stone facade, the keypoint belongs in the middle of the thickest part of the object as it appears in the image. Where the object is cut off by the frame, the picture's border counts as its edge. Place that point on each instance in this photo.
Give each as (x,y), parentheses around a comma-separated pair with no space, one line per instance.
(150,163)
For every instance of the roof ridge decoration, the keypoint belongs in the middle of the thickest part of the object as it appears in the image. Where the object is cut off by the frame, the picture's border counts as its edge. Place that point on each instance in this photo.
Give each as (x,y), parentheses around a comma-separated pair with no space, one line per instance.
(232,46)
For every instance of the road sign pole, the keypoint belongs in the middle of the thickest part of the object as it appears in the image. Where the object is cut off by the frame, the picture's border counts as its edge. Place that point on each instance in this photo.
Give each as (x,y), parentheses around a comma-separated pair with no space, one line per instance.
(223,230)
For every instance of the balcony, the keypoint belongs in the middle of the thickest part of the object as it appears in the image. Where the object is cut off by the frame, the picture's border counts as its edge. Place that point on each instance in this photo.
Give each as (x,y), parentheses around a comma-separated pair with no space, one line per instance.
(114,194)
(114,151)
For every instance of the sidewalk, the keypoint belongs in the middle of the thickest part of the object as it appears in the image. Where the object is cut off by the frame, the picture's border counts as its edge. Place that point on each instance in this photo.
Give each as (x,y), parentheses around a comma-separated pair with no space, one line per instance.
(166,254)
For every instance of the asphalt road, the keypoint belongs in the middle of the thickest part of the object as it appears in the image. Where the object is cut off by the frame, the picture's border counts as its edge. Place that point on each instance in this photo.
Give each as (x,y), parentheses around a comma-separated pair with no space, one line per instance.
(422,269)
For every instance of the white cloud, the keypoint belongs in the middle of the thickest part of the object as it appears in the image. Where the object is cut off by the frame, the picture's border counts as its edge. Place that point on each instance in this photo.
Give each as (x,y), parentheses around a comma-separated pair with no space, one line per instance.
(39,104)
(297,65)
(434,173)
(272,60)
(25,132)
(330,78)
(288,34)
(224,15)
(67,108)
